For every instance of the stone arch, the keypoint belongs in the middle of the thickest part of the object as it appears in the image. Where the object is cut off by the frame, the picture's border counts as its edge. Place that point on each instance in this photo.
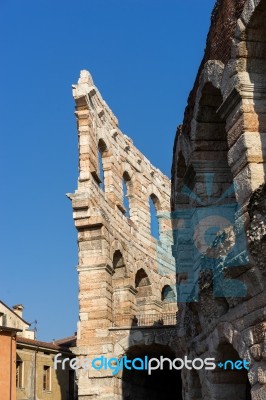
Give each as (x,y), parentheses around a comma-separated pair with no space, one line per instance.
(169,280)
(154,207)
(169,299)
(123,294)
(165,383)
(235,382)
(142,280)
(143,287)
(142,262)
(226,333)
(146,264)
(226,343)
(128,191)
(245,100)
(127,168)
(117,245)
(129,205)
(168,294)
(212,74)
(212,173)
(156,201)
(210,180)
(249,10)
(208,131)
(118,285)
(103,154)
(103,136)
(152,191)
(102,145)
(119,267)
(208,128)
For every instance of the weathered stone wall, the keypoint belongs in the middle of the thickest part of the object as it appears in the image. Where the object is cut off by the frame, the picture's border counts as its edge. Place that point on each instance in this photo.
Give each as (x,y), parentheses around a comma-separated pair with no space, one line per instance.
(119,275)
(219,164)
(218,180)
(218,44)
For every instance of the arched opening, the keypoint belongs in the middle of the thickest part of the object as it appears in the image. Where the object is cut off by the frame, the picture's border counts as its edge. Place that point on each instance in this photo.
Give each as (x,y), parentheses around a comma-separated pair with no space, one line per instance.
(168,298)
(102,149)
(126,193)
(154,206)
(168,294)
(211,203)
(214,180)
(222,306)
(141,279)
(256,45)
(161,384)
(118,282)
(212,199)
(230,378)
(144,290)
(119,268)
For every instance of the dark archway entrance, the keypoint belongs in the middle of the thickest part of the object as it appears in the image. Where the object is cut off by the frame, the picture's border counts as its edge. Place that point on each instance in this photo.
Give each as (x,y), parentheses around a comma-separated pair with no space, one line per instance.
(160,385)
(229,380)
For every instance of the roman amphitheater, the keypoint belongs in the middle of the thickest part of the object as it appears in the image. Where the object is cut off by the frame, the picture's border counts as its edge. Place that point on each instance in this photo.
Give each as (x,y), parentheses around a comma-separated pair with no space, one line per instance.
(198,289)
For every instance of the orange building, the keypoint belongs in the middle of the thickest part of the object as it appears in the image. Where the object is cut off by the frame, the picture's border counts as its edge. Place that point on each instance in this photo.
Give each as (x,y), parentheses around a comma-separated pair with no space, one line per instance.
(8,362)
(27,365)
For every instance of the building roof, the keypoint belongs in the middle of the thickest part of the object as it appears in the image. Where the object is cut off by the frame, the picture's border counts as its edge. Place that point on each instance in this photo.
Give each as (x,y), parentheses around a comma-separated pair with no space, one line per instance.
(14,312)
(40,344)
(69,341)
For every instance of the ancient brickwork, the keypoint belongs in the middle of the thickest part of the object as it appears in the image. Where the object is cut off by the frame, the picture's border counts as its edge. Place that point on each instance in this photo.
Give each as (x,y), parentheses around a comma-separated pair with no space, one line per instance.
(218,44)
(119,277)
(219,158)
(126,276)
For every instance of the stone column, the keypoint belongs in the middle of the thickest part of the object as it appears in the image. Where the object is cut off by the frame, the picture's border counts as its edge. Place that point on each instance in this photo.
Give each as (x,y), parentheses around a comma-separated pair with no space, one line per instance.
(95,297)
(244,110)
(94,338)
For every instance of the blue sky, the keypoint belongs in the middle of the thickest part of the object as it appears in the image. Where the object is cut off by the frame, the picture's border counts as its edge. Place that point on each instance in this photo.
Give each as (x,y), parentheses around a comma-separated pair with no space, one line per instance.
(143,56)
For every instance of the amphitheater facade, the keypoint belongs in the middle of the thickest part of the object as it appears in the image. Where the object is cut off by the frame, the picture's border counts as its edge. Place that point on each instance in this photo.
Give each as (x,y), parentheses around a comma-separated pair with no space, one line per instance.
(198,289)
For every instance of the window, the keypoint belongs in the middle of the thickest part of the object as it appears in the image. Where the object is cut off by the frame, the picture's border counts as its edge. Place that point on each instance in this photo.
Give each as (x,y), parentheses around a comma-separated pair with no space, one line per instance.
(46,378)
(102,148)
(168,294)
(142,284)
(126,192)
(19,374)
(4,320)
(101,172)
(154,206)
(119,267)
